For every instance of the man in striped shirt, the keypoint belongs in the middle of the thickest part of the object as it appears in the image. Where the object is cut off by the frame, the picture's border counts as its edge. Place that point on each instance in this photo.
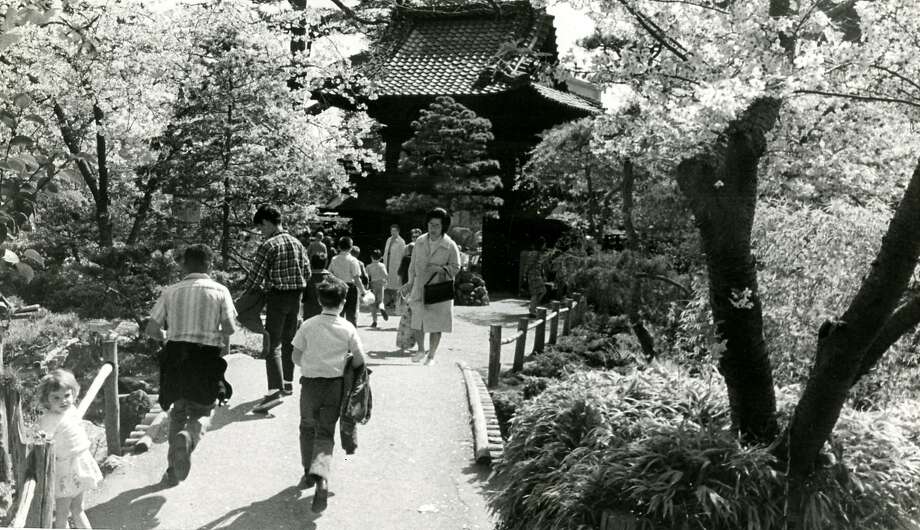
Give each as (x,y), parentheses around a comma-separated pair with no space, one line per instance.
(194,316)
(282,269)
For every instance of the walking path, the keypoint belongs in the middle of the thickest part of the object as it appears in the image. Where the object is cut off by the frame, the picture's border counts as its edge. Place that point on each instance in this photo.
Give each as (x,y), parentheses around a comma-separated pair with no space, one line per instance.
(413,468)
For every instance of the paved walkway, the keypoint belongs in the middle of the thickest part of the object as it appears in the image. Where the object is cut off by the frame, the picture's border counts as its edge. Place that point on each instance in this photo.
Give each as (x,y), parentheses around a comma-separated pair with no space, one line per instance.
(413,468)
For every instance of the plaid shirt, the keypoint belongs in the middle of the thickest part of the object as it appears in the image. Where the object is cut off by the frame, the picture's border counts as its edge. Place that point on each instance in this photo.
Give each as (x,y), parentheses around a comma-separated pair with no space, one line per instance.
(281,263)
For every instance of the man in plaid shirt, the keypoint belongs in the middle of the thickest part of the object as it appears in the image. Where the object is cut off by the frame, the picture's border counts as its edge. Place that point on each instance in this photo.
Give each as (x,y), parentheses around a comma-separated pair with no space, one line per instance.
(282,267)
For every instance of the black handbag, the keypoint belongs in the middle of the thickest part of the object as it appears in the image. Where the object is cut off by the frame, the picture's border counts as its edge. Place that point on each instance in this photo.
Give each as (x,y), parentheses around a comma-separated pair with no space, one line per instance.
(438,292)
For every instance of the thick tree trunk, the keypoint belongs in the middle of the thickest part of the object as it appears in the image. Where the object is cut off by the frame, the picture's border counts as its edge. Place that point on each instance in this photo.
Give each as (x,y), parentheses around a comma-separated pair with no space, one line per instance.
(843,345)
(721,186)
(632,245)
(103,217)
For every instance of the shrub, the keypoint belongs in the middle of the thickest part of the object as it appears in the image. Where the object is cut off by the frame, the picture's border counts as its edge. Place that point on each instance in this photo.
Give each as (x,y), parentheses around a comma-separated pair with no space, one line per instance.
(656,444)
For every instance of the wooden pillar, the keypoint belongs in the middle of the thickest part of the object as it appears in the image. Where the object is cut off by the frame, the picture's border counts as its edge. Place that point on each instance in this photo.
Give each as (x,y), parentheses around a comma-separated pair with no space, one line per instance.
(495,354)
(567,319)
(112,412)
(43,464)
(554,323)
(520,344)
(539,337)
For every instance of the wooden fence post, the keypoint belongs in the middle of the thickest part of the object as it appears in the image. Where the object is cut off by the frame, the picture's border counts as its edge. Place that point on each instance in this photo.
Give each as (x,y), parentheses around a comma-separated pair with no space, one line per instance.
(554,323)
(495,354)
(520,344)
(112,413)
(539,337)
(43,465)
(567,319)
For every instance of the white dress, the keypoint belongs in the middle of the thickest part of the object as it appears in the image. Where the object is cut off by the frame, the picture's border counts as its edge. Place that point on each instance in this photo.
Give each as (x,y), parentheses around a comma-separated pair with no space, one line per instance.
(433,318)
(75,470)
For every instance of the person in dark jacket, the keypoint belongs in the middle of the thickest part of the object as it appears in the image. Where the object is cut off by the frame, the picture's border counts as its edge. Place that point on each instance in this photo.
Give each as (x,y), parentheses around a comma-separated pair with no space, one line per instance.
(194,317)
(318,273)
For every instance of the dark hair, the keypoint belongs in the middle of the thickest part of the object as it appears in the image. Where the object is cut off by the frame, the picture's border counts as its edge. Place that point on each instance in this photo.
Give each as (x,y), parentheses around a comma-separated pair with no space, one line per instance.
(269,213)
(376,254)
(319,235)
(394,225)
(355,250)
(331,292)
(344,243)
(54,381)
(197,258)
(439,213)
(318,261)
(415,232)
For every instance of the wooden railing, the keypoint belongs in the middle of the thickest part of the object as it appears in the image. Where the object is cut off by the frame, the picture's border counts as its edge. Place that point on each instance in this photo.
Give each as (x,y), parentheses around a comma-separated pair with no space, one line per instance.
(31,465)
(571,312)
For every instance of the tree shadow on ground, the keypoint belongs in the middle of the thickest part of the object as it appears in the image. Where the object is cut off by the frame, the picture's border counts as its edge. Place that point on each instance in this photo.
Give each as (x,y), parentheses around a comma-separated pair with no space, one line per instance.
(224,416)
(127,510)
(395,354)
(285,509)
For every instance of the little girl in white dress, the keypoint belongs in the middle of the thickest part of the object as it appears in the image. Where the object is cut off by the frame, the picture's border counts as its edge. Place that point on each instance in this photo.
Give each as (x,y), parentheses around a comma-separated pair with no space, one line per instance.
(75,470)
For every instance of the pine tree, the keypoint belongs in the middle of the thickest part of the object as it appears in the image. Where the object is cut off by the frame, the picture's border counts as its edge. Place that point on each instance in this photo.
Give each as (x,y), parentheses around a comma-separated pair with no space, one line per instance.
(448,156)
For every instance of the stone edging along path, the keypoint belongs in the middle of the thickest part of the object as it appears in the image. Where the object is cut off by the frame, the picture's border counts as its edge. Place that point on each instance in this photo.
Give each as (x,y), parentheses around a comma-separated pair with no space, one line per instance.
(488,446)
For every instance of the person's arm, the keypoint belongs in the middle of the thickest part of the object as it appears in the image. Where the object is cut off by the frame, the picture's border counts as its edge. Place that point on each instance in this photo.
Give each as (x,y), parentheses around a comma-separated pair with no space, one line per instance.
(296,355)
(359,283)
(357,350)
(157,321)
(407,288)
(257,273)
(228,315)
(453,260)
(300,346)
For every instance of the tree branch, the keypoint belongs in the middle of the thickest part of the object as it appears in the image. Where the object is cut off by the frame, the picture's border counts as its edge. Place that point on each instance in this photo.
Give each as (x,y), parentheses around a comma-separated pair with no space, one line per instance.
(686,290)
(656,32)
(901,321)
(857,97)
(73,145)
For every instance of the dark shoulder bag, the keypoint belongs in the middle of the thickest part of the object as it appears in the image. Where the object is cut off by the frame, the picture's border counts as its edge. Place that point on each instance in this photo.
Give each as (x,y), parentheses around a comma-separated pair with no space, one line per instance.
(438,292)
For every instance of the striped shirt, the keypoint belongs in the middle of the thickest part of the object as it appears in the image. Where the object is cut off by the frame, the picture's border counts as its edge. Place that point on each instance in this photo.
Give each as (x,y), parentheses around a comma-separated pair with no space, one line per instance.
(281,264)
(326,340)
(193,311)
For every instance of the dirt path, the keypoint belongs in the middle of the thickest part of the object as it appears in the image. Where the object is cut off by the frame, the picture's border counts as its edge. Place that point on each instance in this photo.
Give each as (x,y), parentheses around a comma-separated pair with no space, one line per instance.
(413,468)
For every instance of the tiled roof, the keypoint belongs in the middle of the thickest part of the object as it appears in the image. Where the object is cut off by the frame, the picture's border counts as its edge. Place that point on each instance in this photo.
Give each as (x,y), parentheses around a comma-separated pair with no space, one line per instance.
(456,51)
(566,98)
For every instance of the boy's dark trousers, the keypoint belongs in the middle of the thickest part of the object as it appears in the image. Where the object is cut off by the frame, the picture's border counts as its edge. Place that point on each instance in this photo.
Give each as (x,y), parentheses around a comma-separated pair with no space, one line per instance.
(282,308)
(350,311)
(320,404)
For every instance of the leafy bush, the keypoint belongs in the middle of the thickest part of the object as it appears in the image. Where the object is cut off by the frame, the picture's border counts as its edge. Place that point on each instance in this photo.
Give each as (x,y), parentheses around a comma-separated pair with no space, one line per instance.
(656,444)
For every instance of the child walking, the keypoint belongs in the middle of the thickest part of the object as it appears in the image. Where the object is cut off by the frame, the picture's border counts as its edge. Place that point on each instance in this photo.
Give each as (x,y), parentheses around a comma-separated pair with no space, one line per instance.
(377,274)
(322,347)
(75,470)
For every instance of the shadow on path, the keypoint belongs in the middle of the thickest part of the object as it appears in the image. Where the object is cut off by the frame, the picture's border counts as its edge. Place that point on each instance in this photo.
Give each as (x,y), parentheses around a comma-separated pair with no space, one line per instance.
(395,354)
(274,512)
(224,416)
(126,511)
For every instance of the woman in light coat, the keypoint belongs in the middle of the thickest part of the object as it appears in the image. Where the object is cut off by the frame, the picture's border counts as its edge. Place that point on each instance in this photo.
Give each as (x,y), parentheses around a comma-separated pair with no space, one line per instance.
(435,258)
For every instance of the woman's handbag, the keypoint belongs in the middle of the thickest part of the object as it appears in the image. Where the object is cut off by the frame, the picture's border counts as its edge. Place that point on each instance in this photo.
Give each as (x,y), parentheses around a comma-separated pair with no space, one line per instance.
(438,292)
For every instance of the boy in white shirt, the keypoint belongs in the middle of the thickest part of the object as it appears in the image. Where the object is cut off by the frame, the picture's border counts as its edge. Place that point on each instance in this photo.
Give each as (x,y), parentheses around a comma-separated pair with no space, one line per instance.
(377,274)
(322,347)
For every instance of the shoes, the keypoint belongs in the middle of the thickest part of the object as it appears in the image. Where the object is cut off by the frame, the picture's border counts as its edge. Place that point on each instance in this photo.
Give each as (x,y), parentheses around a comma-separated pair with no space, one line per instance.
(321,495)
(288,388)
(182,456)
(374,324)
(307,481)
(268,402)
(383,313)
(429,361)
(419,356)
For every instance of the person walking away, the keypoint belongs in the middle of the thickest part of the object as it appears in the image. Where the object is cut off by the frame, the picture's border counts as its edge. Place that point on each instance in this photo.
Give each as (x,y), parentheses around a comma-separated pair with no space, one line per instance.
(435,258)
(318,273)
(317,246)
(393,251)
(377,274)
(330,244)
(281,265)
(322,347)
(347,268)
(356,252)
(76,472)
(194,317)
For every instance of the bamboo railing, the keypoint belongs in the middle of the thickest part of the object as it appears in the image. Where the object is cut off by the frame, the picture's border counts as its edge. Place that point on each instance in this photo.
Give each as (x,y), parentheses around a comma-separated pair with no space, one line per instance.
(571,312)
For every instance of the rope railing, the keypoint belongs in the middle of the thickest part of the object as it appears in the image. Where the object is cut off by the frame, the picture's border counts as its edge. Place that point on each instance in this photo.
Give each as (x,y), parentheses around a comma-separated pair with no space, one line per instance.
(570,312)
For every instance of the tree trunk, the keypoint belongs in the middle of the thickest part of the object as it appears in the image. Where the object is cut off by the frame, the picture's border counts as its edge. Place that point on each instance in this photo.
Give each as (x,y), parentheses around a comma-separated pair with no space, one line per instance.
(646,341)
(103,217)
(225,227)
(843,344)
(721,187)
(592,206)
(143,210)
